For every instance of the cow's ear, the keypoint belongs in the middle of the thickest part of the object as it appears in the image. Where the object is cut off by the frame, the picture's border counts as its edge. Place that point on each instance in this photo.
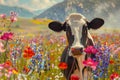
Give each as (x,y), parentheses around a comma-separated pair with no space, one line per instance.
(95,23)
(55,26)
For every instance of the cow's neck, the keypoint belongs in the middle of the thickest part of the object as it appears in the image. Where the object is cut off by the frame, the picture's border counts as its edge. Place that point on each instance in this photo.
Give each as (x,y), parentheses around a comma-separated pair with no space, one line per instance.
(80,59)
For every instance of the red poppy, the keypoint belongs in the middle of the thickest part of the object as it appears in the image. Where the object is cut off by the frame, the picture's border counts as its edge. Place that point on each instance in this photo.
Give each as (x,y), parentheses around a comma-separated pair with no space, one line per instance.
(28,53)
(74,77)
(63,66)
(111,62)
(114,75)
(25,69)
(7,64)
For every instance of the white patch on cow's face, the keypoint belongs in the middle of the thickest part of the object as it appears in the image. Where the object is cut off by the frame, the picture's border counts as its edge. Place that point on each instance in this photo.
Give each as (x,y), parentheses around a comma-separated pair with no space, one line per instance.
(76,22)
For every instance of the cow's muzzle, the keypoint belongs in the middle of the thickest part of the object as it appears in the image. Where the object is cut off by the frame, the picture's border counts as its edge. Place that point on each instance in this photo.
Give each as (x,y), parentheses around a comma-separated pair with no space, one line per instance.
(77,51)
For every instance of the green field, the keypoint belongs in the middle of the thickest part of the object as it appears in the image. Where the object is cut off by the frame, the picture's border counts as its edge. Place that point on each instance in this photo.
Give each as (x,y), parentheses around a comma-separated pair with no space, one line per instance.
(51,46)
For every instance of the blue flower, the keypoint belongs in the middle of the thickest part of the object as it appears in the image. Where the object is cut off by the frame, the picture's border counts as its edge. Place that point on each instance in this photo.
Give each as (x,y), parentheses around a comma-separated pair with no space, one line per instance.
(102,57)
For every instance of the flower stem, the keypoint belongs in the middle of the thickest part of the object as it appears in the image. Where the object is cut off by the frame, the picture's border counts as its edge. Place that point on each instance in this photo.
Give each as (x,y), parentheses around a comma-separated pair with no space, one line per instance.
(5,47)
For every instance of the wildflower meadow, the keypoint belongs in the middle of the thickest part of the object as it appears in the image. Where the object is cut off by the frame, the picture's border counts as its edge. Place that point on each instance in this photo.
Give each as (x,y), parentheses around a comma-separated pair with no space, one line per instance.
(37,57)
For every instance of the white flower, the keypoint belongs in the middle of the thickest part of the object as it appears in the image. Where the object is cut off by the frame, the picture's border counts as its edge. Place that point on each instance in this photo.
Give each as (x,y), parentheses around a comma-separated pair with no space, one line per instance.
(52,73)
(42,71)
(61,74)
(57,77)
(50,78)
(56,67)
(22,76)
(117,78)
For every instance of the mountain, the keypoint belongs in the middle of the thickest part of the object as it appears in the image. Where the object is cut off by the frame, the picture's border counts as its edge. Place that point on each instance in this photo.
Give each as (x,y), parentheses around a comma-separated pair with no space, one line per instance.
(37,12)
(107,9)
(21,11)
(54,12)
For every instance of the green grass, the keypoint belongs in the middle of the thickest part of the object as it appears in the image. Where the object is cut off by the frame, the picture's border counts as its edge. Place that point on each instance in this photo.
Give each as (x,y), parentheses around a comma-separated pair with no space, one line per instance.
(26,29)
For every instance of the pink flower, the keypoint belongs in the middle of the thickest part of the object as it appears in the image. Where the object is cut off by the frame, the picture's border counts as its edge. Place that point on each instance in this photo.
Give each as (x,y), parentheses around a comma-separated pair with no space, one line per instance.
(13,13)
(1,66)
(8,74)
(13,16)
(1,74)
(1,47)
(13,19)
(90,50)
(117,51)
(7,36)
(90,63)
(3,16)
(0,32)
(62,39)
(51,41)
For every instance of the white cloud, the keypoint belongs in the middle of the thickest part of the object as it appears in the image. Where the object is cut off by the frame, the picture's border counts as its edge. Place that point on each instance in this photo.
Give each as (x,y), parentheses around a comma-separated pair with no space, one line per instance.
(102,7)
(43,4)
(2,2)
(30,4)
(9,2)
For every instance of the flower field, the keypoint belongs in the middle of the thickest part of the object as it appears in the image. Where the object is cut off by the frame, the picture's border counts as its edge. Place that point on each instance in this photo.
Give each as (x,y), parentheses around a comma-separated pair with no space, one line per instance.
(38,57)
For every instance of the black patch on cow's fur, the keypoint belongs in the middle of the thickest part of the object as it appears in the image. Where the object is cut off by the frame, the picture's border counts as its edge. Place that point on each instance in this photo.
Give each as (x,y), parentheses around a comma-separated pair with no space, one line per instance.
(84,35)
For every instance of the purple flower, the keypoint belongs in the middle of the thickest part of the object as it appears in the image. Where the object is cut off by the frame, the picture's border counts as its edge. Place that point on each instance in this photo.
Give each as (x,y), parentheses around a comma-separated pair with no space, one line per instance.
(38,57)
(102,57)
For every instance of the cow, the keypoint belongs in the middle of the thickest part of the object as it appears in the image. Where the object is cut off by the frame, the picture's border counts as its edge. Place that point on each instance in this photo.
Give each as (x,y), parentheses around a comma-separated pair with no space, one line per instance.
(76,27)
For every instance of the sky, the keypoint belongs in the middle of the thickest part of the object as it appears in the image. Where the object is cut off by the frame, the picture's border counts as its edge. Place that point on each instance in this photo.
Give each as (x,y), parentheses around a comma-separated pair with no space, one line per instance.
(32,5)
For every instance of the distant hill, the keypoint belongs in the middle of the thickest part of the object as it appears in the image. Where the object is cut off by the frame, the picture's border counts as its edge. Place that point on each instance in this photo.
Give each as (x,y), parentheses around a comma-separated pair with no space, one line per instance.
(52,11)
(37,12)
(107,9)
(21,11)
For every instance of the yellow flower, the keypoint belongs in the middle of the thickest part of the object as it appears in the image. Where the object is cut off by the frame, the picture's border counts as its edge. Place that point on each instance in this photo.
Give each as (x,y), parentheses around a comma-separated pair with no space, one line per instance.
(15,71)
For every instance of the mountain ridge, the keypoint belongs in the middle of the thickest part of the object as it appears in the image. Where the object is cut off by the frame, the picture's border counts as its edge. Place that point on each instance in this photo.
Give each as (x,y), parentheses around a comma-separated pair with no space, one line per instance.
(4,9)
(107,9)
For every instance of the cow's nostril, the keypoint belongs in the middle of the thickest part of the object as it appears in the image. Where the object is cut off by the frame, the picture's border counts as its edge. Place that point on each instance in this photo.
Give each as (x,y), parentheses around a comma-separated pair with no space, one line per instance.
(72,49)
(81,49)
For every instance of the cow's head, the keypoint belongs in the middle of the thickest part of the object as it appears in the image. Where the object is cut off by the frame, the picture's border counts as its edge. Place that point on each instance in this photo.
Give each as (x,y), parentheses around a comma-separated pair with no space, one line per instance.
(76,27)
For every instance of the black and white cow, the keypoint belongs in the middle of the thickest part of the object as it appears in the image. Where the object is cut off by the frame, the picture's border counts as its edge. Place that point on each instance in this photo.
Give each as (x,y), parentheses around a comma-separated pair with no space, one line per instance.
(76,27)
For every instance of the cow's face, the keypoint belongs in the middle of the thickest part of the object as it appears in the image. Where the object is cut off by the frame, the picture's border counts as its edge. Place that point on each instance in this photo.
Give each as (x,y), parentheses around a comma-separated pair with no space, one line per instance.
(76,27)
